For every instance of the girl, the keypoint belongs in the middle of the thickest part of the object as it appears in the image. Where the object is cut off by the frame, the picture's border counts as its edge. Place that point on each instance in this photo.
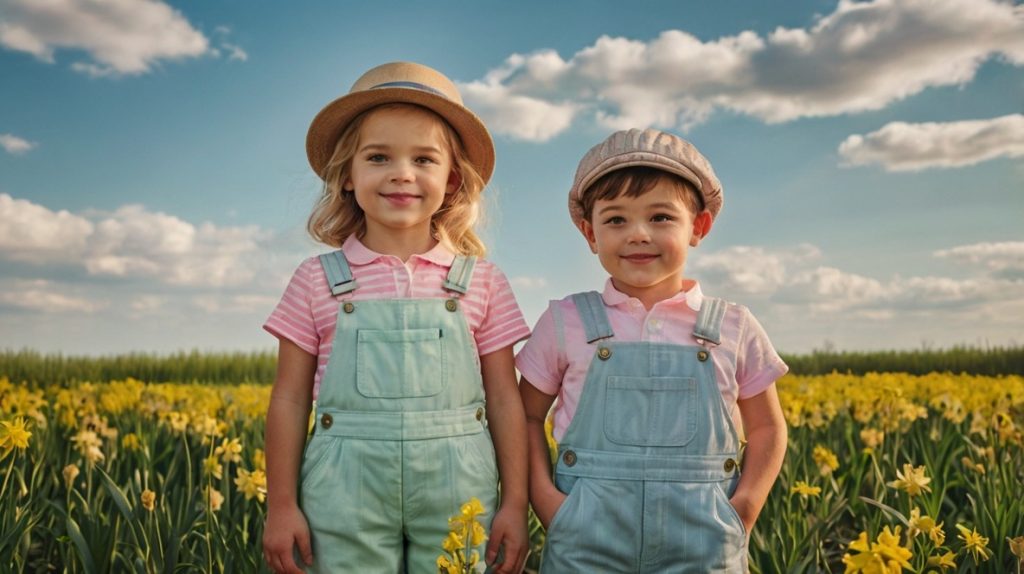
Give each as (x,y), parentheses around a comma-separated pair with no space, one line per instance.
(398,337)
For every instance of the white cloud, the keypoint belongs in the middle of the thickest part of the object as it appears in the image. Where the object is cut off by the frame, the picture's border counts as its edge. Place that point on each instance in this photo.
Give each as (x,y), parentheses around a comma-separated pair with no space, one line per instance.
(900,146)
(122,37)
(750,269)
(35,234)
(795,278)
(44,297)
(863,56)
(133,242)
(15,145)
(998,256)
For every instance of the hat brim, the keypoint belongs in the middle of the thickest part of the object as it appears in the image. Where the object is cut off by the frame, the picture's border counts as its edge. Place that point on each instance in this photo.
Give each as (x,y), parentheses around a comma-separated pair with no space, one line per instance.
(328,125)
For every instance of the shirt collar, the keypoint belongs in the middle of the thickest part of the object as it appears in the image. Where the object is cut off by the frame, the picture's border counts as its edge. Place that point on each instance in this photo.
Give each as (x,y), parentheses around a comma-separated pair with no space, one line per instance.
(693,298)
(359,254)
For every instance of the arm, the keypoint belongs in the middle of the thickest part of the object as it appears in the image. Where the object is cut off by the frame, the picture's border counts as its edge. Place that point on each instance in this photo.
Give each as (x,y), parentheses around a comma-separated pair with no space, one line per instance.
(287,421)
(506,422)
(766,447)
(543,495)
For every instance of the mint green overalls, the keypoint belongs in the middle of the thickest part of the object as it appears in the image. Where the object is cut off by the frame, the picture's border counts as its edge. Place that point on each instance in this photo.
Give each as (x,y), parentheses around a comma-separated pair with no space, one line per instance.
(649,460)
(400,441)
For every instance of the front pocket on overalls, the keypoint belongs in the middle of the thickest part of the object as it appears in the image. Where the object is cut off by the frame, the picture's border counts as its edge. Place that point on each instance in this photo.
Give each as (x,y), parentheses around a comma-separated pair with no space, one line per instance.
(400,363)
(570,486)
(314,456)
(730,511)
(651,411)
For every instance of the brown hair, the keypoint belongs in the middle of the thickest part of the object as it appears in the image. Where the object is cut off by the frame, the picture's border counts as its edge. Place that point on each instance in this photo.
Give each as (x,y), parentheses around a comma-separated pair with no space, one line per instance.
(336,214)
(635,181)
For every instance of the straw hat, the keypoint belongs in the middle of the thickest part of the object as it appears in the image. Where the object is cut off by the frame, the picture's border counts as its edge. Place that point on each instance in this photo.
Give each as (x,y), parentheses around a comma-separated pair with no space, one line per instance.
(650,148)
(400,82)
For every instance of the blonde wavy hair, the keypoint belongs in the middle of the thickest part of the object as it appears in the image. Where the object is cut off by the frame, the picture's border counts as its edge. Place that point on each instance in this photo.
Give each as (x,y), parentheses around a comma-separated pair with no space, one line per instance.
(336,214)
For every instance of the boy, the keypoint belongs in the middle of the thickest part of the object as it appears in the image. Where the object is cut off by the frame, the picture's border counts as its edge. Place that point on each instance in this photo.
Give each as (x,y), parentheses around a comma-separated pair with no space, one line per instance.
(649,376)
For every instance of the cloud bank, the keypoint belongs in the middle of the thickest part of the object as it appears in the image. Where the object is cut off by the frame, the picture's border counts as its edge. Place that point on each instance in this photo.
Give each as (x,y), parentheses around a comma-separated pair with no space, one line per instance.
(863,56)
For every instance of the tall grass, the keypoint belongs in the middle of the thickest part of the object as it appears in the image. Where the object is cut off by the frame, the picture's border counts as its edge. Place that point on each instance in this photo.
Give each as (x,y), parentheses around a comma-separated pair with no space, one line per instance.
(195,366)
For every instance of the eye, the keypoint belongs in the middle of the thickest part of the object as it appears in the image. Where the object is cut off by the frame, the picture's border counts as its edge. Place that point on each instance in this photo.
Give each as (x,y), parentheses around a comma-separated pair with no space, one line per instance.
(662,218)
(615,220)
(376,158)
(425,160)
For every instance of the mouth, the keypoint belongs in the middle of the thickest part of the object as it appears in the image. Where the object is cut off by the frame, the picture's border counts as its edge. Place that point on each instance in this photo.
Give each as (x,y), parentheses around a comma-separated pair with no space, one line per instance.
(639,257)
(400,198)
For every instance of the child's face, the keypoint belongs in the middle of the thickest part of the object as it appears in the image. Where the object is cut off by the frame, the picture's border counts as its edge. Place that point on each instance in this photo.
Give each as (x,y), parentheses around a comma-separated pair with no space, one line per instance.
(643,241)
(400,172)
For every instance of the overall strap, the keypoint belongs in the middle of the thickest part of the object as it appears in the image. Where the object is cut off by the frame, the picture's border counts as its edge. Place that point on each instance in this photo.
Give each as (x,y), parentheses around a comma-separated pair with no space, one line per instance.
(709,321)
(339,274)
(460,274)
(595,318)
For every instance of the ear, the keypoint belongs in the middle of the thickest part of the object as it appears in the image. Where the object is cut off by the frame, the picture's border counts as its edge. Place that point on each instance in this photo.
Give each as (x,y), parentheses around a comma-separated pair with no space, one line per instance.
(588,232)
(454,182)
(701,227)
(348,185)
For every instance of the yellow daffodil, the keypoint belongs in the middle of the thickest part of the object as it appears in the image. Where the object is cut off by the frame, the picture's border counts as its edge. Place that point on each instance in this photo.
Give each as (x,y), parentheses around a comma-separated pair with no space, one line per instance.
(912,480)
(464,531)
(131,441)
(1017,546)
(148,499)
(974,543)
(252,484)
(884,556)
(872,437)
(214,498)
(926,525)
(971,465)
(805,490)
(213,467)
(70,472)
(259,459)
(88,445)
(826,460)
(943,562)
(14,435)
(229,450)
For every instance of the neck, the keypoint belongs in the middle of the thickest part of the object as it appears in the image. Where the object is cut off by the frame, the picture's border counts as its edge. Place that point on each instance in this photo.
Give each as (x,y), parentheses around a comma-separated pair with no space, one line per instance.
(399,243)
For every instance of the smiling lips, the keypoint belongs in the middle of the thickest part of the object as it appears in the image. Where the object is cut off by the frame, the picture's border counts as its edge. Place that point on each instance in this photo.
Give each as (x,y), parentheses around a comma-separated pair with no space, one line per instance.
(400,199)
(640,257)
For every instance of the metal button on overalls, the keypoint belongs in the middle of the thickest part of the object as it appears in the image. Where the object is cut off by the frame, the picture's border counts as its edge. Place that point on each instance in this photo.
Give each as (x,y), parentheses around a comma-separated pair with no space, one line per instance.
(569,458)
(604,353)
(480,414)
(348,307)
(451,305)
(702,356)
(326,421)
(730,465)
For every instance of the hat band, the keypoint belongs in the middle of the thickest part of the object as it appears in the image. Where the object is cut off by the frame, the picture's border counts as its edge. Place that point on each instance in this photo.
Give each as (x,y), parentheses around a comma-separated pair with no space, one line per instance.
(413,85)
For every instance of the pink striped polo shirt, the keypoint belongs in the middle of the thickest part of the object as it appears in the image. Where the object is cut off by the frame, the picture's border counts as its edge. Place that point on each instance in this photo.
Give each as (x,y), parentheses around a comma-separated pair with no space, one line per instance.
(307,313)
(745,363)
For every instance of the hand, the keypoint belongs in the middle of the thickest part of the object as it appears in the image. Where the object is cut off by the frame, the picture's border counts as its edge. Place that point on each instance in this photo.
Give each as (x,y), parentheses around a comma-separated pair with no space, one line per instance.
(746,511)
(508,531)
(286,528)
(546,505)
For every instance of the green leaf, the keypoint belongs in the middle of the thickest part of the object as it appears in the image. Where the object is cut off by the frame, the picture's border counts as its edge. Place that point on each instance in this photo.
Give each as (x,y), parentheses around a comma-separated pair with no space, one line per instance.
(84,554)
(117,494)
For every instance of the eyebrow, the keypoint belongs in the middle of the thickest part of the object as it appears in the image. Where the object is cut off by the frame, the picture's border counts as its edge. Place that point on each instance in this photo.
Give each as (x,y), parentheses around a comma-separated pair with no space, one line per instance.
(661,205)
(385,147)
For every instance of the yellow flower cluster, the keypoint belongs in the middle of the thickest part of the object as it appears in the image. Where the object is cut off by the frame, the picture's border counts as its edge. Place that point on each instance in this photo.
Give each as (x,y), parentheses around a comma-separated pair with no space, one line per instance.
(465,531)
(884,556)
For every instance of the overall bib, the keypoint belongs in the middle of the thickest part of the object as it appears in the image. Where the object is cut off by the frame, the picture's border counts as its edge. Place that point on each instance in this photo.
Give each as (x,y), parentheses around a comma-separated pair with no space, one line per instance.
(649,460)
(400,441)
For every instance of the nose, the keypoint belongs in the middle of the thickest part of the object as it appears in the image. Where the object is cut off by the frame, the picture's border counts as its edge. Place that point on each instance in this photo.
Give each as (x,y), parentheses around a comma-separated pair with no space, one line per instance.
(638,233)
(401,171)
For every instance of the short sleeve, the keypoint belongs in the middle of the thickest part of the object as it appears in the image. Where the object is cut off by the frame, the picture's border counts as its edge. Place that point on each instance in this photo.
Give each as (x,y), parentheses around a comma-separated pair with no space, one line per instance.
(292,319)
(503,323)
(758,365)
(542,360)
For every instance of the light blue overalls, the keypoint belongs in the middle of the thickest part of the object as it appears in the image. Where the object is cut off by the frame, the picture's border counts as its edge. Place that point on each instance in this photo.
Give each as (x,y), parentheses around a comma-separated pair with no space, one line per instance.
(649,460)
(400,441)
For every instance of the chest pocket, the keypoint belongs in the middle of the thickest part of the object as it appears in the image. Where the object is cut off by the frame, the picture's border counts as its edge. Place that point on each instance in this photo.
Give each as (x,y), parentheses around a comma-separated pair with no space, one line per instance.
(400,363)
(651,411)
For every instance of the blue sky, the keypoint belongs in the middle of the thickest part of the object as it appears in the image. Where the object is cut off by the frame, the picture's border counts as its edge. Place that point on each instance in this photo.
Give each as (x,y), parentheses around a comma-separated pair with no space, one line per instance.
(154,186)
